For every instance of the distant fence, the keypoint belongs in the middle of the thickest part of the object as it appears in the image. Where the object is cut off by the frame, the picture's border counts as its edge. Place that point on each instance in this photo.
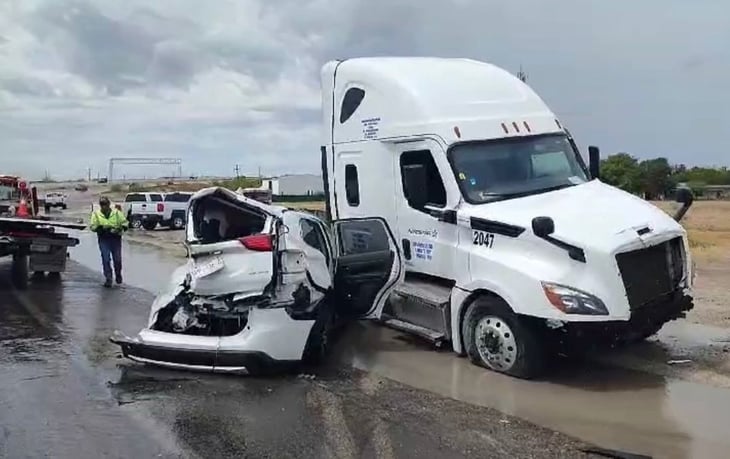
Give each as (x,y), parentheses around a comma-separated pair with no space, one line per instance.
(297,198)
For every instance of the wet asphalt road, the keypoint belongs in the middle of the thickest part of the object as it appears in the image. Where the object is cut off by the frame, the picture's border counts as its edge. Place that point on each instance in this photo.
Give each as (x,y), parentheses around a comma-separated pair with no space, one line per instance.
(66,393)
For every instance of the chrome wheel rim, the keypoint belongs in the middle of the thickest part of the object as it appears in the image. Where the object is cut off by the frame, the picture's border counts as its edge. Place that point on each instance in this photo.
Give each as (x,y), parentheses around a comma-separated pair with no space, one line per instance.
(496,343)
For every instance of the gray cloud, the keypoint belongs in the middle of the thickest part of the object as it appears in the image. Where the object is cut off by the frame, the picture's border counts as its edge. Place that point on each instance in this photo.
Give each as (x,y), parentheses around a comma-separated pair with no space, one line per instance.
(236,81)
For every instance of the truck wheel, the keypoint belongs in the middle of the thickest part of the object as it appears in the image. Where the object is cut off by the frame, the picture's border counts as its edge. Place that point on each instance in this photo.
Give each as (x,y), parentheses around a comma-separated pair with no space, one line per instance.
(177,223)
(496,339)
(19,271)
(64,206)
(135,223)
(48,209)
(149,226)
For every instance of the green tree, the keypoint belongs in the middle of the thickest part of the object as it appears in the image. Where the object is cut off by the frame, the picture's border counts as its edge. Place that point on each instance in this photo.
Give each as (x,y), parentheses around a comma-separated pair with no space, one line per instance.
(657,180)
(622,170)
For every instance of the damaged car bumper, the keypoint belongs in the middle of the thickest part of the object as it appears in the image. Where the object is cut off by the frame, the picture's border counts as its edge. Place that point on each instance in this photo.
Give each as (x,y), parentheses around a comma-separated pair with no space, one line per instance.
(271,340)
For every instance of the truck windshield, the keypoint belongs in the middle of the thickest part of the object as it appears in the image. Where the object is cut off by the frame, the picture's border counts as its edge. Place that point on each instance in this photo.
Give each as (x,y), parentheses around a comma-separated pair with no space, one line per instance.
(495,170)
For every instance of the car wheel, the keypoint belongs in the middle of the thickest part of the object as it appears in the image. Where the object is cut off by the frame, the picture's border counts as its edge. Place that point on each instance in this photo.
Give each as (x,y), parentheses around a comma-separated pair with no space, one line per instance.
(135,223)
(496,339)
(149,226)
(318,343)
(19,271)
(177,223)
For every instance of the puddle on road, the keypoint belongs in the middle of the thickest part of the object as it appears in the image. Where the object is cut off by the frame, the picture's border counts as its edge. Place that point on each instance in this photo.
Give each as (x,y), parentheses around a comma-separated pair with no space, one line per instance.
(612,407)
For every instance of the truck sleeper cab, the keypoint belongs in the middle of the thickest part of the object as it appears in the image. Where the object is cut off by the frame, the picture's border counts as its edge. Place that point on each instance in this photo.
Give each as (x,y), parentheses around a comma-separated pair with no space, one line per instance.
(510,244)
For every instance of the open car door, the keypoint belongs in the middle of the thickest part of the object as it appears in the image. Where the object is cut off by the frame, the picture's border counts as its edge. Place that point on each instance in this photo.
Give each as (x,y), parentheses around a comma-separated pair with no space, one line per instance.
(369,265)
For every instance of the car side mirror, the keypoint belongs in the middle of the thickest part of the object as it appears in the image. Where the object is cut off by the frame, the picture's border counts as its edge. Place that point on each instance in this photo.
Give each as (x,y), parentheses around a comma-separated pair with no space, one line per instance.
(543,226)
(594,162)
(415,185)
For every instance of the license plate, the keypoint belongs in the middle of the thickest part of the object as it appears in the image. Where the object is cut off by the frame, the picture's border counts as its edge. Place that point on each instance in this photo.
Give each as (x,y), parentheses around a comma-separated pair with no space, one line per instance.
(207,268)
(40,248)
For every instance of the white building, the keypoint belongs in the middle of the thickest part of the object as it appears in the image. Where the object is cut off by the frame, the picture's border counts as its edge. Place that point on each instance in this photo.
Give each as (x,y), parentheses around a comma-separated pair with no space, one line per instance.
(294,184)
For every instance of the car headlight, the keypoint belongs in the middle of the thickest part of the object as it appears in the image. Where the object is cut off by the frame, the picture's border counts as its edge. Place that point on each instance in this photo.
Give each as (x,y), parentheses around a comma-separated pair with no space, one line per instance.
(572,301)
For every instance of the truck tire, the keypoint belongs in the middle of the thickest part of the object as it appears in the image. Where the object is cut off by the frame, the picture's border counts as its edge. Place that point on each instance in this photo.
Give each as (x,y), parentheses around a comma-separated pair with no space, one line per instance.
(135,222)
(64,206)
(149,226)
(177,223)
(19,271)
(495,338)
(47,208)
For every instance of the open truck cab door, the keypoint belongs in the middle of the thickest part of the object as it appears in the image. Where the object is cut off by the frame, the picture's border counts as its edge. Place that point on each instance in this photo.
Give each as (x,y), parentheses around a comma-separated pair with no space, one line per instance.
(368,268)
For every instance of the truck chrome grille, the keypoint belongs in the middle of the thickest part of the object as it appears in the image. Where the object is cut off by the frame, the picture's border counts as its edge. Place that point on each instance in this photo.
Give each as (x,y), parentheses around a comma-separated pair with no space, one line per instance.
(652,272)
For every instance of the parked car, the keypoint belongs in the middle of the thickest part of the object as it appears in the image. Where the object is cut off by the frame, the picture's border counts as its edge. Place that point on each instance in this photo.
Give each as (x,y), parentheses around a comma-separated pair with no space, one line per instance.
(144,210)
(264,285)
(176,205)
(81,187)
(55,199)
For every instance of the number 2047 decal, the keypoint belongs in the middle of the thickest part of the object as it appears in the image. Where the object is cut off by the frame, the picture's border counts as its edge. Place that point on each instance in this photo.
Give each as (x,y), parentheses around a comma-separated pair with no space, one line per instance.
(485,239)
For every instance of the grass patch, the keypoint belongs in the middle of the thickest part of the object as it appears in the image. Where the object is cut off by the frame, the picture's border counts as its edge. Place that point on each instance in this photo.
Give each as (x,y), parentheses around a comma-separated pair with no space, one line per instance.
(708,228)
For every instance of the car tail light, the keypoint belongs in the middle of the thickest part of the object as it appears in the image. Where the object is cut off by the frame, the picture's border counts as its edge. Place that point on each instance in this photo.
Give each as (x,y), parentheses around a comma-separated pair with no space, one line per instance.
(258,242)
(160,207)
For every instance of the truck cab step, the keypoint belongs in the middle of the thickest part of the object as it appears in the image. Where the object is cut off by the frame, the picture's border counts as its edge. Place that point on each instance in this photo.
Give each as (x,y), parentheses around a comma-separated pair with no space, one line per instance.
(424,306)
(431,292)
(434,336)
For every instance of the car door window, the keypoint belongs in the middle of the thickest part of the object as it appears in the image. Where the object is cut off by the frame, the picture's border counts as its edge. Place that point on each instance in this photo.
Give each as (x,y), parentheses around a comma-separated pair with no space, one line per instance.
(358,237)
(313,236)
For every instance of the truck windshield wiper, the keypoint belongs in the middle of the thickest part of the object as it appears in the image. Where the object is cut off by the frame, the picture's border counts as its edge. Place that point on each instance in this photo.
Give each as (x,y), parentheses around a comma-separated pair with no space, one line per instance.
(493,196)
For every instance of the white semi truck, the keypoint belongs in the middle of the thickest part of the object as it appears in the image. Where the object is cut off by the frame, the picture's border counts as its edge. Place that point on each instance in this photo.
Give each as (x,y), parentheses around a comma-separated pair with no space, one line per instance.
(511,243)
(462,212)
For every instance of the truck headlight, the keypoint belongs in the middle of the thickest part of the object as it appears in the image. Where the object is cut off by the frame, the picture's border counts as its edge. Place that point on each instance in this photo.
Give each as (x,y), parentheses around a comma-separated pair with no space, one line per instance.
(572,301)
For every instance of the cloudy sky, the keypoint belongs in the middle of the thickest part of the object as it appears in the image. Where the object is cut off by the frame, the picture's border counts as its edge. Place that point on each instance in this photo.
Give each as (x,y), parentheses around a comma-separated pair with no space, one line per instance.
(221,82)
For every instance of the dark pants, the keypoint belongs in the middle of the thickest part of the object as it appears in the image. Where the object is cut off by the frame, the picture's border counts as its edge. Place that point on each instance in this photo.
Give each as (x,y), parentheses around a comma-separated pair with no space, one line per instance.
(111,249)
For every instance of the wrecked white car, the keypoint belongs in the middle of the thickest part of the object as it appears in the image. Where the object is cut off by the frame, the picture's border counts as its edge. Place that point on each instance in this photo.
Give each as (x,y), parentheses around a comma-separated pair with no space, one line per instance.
(264,285)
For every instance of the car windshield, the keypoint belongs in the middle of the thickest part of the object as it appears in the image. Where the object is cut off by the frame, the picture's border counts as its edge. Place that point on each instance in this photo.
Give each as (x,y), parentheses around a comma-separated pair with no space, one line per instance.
(508,168)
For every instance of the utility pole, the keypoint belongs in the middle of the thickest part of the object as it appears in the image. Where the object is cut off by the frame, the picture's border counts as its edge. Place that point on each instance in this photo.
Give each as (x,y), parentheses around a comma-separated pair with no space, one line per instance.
(259,171)
(88,169)
(237,169)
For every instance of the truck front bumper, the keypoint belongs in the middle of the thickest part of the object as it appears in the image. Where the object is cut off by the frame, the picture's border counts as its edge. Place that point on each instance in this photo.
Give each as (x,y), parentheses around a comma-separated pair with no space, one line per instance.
(642,323)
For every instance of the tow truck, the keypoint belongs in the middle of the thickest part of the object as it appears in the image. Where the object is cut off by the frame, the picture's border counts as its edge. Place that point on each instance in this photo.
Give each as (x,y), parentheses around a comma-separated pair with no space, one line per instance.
(32,241)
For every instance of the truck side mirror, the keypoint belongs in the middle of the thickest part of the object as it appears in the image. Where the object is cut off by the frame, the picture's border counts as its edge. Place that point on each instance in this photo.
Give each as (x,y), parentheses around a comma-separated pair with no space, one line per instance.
(543,226)
(594,162)
(684,197)
(415,185)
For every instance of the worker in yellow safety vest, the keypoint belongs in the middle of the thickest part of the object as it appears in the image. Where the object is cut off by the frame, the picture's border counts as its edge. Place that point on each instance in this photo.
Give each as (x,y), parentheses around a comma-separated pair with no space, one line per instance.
(109,223)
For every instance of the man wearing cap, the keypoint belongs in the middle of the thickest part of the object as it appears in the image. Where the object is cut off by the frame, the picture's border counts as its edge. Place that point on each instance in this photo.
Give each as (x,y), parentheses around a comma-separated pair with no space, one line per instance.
(109,223)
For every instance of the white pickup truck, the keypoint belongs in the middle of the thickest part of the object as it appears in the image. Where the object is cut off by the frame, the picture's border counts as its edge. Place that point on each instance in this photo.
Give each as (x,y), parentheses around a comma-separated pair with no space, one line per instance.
(55,199)
(144,210)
